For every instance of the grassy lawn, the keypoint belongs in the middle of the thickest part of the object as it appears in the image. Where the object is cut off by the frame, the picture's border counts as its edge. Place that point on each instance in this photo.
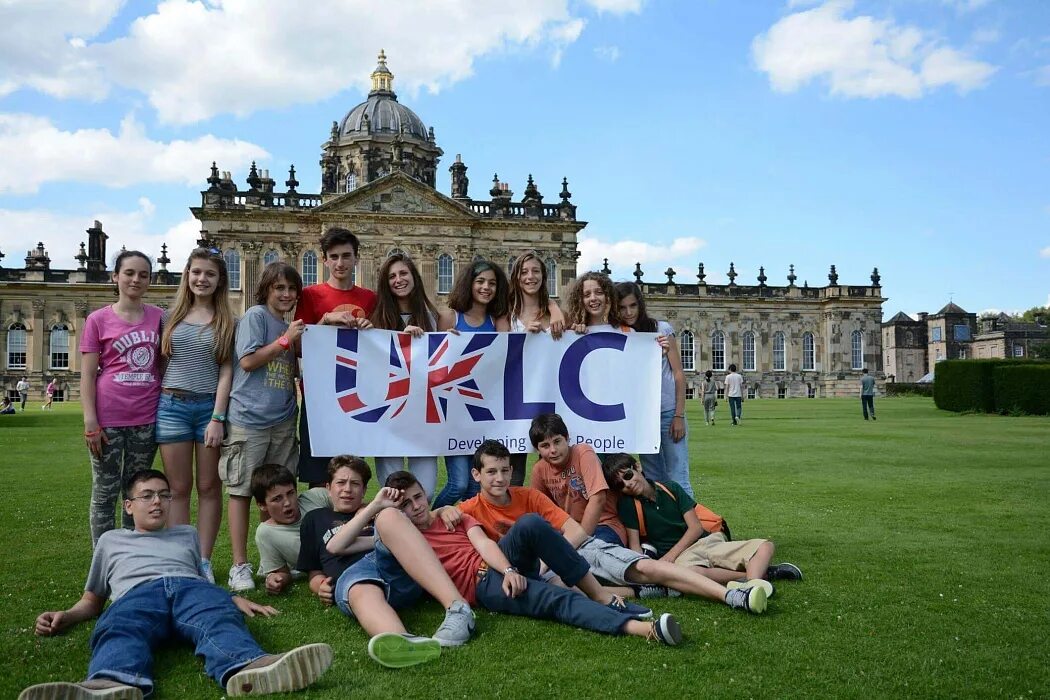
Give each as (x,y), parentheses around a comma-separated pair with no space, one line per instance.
(893,523)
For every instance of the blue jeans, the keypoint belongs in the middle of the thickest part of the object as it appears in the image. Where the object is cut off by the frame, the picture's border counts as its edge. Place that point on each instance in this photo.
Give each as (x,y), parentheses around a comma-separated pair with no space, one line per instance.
(155,612)
(379,568)
(529,540)
(607,534)
(671,463)
(460,485)
(867,404)
(736,407)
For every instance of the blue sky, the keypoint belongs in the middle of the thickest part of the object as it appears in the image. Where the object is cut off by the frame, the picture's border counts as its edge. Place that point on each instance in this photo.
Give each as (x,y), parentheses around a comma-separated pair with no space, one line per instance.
(909,135)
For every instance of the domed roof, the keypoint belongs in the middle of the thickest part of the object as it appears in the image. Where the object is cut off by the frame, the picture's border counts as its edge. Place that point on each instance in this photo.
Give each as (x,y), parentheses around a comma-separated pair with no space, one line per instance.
(385,114)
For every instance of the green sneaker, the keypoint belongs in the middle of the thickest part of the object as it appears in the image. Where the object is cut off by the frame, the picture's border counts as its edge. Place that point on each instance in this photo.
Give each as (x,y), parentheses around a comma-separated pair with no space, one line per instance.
(402,650)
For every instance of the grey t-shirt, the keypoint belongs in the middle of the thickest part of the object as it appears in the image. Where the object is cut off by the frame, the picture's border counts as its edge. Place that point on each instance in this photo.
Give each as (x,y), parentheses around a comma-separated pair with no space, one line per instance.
(867,385)
(279,544)
(125,558)
(265,396)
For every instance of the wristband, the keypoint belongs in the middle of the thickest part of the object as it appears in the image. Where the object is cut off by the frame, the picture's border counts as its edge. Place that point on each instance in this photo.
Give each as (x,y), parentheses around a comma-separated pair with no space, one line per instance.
(284,342)
(92,433)
(677,415)
(218,417)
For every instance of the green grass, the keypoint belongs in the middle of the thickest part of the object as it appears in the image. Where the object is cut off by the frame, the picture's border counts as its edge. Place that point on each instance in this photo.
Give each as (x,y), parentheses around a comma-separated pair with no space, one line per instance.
(923,537)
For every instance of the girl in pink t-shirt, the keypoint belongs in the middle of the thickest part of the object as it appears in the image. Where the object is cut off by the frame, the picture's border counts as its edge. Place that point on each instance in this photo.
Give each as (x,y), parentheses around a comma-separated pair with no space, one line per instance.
(119,387)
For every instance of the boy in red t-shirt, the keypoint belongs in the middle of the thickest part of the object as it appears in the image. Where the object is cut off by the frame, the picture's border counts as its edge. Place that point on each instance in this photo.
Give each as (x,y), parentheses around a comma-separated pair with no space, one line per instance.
(558,473)
(335,302)
(503,577)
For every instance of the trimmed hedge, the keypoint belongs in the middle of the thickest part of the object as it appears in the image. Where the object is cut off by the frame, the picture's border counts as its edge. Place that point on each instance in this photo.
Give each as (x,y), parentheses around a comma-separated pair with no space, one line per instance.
(1022,389)
(908,389)
(969,385)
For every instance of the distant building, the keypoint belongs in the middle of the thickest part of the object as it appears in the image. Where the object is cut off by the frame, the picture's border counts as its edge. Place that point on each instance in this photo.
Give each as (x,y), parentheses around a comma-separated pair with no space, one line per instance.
(952,334)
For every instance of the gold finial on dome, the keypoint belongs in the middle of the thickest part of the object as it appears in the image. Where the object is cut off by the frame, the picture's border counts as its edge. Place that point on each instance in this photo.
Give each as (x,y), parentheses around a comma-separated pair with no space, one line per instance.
(382,78)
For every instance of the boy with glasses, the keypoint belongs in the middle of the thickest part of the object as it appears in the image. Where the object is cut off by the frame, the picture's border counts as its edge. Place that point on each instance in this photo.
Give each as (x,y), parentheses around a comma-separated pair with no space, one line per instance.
(153,576)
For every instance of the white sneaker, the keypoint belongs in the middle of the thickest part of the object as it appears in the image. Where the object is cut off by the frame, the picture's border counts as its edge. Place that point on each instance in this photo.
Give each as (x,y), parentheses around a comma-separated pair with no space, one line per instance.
(207,570)
(241,578)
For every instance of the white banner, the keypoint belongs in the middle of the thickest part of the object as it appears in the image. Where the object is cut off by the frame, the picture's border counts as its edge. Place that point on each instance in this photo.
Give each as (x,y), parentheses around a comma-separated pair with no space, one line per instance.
(384,394)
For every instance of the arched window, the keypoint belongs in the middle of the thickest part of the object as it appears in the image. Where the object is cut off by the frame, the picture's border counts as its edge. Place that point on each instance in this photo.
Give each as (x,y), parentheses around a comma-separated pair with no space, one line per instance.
(351,182)
(16,346)
(809,357)
(396,251)
(233,267)
(857,350)
(309,268)
(445,271)
(59,347)
(271,256)
(749,351)
(688,353)
(552,277)
(779,353)
(718,351)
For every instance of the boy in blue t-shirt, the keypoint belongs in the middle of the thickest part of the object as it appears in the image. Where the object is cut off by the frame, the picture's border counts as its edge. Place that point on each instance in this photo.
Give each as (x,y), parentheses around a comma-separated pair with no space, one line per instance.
(672,528)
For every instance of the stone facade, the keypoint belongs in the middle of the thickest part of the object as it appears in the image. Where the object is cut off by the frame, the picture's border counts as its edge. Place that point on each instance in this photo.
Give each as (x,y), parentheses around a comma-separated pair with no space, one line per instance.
(1001,336)
(378,172)
(904,344)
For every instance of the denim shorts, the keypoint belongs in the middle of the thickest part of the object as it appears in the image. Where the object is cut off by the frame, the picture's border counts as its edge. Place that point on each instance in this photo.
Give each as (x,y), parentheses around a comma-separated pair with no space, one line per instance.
(183,417)
(378,567)
(609,562)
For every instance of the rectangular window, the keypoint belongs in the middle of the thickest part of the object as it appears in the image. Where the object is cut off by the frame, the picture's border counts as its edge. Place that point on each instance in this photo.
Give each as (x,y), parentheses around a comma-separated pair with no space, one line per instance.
(16,348)
(752,393)
(690,393)
(720,392)
(961,332)
(811,391)
(1018,350)
(782,392)
(749,352)
(935,334)
(779,354)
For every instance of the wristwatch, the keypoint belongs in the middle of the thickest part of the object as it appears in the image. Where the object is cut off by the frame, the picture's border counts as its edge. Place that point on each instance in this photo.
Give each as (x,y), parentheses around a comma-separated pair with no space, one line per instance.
(510,570)
(284,342)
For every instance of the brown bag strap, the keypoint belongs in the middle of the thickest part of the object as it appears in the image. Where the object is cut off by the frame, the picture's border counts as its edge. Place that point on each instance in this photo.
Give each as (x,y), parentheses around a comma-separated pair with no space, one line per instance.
(641,518)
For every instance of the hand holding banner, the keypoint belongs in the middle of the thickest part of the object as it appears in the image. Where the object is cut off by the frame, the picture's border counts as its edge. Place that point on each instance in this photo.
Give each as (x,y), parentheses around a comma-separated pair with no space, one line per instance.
(386,394)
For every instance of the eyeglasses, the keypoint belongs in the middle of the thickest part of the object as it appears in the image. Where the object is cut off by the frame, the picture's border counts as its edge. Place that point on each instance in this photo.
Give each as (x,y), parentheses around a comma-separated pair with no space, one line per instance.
(148,496)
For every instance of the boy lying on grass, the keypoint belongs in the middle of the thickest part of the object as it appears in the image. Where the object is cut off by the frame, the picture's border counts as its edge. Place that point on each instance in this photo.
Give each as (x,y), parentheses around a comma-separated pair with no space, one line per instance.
(153,576)
(672,528)
(504,577)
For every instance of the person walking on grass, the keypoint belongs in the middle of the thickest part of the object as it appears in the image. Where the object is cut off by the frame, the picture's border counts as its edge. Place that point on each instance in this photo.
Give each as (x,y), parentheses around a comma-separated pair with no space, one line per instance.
(49,393)
(709,393)
(23,391)
(119,387)
(867,394)
(154,577)
(191,416)
(734,385)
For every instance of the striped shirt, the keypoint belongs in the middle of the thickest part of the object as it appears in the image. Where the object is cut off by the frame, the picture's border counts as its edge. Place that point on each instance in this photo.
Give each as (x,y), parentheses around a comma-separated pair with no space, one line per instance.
(192,365)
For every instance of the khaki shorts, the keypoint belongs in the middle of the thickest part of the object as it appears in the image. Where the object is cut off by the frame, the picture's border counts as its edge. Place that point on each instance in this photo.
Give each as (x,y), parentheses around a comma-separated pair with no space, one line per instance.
(244,449)
(714,552)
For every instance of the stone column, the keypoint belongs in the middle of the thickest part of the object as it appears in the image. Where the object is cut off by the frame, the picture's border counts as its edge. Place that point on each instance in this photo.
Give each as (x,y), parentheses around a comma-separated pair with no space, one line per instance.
(250,276)
(37,354)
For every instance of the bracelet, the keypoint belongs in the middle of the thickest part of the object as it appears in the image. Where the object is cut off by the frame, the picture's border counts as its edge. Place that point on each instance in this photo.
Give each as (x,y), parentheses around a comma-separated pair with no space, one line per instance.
(218,417)
(678,415)
(283,342)
(92,433)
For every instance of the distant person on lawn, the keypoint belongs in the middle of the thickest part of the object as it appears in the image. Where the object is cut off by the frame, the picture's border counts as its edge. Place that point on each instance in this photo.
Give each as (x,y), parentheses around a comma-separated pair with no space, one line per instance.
(867,394)
(154,577)
(6,407)
(675,533)
(734,385)
(23,391)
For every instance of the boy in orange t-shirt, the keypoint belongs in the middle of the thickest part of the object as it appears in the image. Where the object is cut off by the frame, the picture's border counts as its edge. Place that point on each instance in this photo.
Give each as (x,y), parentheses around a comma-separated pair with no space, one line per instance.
(556,474)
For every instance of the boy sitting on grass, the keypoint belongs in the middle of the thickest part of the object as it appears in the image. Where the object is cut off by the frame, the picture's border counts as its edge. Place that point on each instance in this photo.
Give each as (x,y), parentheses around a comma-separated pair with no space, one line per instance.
(355,566)
(504,577)
(674,530)
(153,575)
(613,562)
(277,537)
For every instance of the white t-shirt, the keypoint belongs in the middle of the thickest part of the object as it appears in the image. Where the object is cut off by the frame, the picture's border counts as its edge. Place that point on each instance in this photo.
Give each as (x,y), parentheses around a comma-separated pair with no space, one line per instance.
(734,383)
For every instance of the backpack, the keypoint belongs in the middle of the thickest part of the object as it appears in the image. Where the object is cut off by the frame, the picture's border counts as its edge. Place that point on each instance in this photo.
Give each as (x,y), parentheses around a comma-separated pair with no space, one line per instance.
(710,521)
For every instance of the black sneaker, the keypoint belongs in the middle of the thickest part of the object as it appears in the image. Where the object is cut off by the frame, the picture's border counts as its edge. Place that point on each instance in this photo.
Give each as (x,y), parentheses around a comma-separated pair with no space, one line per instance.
(632,610)
(666,630)
(784,572)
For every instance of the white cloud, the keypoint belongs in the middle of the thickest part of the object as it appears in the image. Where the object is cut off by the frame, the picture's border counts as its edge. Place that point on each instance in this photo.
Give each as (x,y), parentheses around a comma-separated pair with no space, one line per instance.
(1042,75)
(623,255)
(62,234)
(861,56)
(610,54)
(1045,252)
(42,46)
(34,151)
(194,60)
(987,35)
(963,6)
(616,7)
